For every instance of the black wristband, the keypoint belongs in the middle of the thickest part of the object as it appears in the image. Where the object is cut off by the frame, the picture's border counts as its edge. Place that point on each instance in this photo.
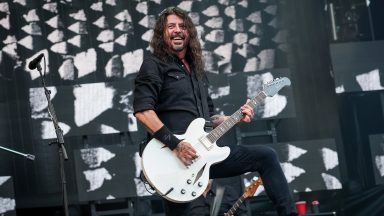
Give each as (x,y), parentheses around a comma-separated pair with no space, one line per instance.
(165,136)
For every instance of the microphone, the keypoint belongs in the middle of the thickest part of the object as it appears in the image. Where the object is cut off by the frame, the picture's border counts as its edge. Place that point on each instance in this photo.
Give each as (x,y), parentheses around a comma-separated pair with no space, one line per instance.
(33,64)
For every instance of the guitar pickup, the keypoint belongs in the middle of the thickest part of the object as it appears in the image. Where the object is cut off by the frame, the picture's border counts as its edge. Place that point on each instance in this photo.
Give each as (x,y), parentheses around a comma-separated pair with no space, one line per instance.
(207,144)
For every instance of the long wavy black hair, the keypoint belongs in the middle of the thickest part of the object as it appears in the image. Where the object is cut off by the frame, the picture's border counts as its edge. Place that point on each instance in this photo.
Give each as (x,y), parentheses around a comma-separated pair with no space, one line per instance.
(162,51)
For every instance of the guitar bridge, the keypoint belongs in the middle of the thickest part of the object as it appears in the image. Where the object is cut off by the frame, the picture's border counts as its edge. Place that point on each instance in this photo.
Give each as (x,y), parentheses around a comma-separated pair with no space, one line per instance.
(207,144)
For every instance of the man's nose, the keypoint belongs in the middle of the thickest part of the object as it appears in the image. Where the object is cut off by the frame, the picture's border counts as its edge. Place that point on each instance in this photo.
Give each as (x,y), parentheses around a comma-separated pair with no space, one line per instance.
(177,28)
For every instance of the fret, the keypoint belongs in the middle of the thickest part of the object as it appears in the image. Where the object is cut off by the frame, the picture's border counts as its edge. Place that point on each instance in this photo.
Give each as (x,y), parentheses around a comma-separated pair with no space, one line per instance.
(259,98)
(240,201)
(210,139)
(214,135)
(236,205)
(230,212)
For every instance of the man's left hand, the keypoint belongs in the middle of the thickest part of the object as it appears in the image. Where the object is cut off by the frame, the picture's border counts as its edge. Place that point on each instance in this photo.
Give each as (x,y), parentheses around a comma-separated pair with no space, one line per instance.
(247,112)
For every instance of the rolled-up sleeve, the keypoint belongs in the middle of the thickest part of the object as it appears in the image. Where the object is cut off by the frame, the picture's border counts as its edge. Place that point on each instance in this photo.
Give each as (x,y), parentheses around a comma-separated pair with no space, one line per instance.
(147,86)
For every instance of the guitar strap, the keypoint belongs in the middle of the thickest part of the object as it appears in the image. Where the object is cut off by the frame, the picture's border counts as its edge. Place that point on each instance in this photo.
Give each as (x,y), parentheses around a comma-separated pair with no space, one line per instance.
(203,99)
(204,104)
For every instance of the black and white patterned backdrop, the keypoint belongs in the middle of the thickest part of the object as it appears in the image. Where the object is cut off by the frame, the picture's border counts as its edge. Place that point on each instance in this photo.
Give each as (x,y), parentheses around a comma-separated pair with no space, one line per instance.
(363,71)
(376,142)
(93,51)
(107,39)
(7,196)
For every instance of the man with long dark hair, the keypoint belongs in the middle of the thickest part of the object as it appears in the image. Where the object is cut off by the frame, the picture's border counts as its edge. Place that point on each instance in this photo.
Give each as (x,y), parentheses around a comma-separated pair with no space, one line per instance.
(171,91)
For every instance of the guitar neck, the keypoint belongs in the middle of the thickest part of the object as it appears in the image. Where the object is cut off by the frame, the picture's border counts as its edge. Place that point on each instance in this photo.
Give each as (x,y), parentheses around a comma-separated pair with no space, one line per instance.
(249,191)
(235,206)
(226,125)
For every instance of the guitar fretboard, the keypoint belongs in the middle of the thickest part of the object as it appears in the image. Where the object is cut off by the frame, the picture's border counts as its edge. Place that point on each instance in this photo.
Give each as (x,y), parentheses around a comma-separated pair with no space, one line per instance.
(220,130)
(236,205)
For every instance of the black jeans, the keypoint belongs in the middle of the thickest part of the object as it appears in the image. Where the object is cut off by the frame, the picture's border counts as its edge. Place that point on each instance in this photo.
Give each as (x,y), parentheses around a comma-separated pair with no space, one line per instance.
(244,159)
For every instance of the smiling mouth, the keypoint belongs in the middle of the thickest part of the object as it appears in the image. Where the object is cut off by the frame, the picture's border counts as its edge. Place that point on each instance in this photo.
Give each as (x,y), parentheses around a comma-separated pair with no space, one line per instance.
(177,38)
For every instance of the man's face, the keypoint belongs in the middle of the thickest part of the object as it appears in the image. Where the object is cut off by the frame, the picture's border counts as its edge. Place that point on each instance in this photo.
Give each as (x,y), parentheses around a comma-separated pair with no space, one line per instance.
(175,33)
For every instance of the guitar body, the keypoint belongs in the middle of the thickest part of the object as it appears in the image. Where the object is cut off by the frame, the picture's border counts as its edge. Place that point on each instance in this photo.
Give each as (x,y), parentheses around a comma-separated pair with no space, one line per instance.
(170,177)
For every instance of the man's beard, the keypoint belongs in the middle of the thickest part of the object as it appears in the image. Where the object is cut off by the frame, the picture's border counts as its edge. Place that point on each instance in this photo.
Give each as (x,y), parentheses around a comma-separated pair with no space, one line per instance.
(177,48)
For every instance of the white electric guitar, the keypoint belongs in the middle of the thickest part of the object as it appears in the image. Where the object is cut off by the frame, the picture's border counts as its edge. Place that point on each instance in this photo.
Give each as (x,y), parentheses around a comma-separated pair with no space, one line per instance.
(178,183)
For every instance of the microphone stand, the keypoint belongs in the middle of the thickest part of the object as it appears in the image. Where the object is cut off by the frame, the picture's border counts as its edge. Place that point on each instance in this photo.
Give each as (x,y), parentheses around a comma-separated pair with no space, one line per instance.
(28,156)
(59,141)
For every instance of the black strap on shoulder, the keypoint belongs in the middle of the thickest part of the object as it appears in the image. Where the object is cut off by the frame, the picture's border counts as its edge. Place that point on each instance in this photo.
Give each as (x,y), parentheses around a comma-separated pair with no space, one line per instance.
(204,96)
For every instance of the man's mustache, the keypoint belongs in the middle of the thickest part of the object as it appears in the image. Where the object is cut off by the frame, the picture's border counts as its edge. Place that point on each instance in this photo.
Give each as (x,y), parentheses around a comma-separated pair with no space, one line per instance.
(180,35)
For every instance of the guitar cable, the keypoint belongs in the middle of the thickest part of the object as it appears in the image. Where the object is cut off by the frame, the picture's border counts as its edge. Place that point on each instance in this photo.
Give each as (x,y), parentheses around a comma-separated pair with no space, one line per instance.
(148,187)
(146,184)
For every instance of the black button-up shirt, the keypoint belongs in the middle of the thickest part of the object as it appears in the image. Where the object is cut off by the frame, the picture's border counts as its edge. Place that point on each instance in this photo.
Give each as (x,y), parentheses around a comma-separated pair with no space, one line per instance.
(171,91)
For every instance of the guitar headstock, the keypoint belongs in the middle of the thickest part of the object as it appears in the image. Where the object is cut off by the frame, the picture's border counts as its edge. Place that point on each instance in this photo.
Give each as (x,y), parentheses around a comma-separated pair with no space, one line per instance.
(275,85)
(251,189)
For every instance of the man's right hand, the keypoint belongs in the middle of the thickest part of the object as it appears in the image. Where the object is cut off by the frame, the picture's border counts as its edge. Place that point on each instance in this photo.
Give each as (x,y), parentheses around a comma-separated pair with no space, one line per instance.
(186,153)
